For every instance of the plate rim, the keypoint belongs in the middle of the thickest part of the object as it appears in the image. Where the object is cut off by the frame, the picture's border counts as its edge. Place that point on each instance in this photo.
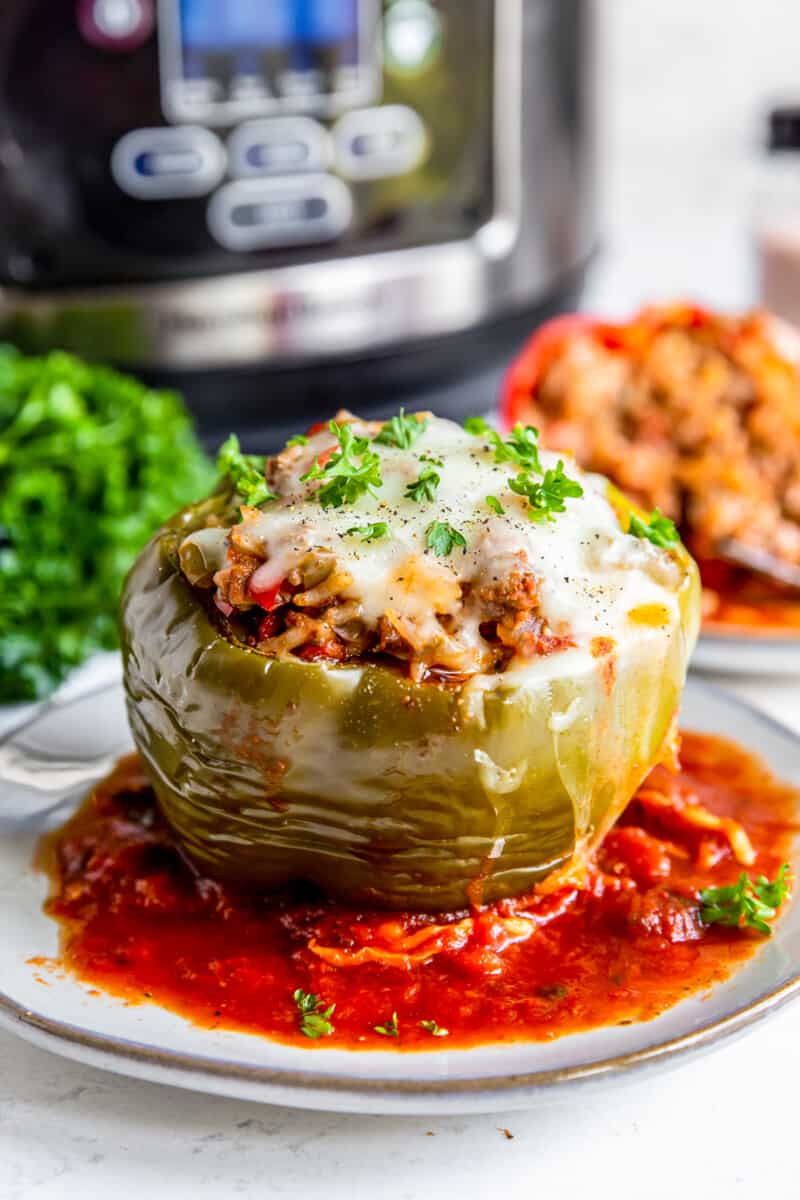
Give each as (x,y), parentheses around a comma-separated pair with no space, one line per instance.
(12,1015)
(735,636)
(23,1020)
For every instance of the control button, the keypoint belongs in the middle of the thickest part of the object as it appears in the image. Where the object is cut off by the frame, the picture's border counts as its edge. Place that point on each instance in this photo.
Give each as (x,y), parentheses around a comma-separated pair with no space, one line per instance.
(261,214)
(278,146)
(166,164)
(116,25)
(371,143)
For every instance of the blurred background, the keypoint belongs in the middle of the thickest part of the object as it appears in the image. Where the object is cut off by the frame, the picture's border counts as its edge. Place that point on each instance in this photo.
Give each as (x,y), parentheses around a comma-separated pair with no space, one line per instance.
(287,203)
(685,91)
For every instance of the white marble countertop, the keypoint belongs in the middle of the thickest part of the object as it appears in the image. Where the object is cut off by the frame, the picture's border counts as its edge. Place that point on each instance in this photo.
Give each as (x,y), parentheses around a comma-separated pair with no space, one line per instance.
(720,1128)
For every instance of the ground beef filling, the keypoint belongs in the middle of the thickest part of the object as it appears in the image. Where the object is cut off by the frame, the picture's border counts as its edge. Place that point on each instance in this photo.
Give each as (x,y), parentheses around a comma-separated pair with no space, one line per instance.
(701,420)
(435,617)
(307,617)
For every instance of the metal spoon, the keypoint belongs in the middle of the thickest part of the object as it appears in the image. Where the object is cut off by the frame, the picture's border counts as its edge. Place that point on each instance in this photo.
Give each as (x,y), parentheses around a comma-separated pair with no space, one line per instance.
(761,562)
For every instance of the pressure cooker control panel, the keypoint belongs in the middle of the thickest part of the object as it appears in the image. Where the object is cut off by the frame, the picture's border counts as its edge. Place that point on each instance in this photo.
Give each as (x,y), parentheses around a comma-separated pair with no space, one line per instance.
(284,174)
(191,130)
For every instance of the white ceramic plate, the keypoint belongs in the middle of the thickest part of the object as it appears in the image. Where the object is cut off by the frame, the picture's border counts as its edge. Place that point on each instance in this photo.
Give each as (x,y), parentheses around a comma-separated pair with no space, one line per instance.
(740,654)
(59,1013)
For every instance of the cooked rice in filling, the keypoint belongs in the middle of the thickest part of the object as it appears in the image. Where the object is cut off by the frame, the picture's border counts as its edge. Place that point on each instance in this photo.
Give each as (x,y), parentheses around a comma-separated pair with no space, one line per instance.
(294,578)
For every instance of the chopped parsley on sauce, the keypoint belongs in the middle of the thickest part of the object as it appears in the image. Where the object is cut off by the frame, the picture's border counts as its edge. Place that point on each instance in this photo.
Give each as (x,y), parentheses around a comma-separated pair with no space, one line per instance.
(390,1029)
(434,1029)
(746,904)
(315,1022)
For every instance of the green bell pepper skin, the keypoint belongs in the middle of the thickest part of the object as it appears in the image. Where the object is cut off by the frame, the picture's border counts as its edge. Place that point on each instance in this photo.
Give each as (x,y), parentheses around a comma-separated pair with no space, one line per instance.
(379,790)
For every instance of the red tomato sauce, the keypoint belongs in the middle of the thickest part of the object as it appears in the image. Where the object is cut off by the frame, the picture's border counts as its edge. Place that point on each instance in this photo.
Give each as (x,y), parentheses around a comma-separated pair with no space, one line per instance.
(620,941)
(734,601)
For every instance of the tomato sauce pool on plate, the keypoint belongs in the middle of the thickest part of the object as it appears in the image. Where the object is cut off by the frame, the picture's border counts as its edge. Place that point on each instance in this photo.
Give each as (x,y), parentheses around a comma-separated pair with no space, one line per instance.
(620,941)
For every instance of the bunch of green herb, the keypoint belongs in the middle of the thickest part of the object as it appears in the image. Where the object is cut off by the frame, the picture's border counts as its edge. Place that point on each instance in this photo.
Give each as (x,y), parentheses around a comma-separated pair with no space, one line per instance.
(91,463)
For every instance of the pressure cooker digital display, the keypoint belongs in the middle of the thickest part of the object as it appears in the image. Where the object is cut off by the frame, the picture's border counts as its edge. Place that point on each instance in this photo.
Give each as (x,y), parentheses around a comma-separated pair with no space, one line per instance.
(222,60)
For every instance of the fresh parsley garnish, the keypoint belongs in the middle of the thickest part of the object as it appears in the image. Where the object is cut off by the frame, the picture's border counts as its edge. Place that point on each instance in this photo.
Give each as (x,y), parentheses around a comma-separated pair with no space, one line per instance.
(548,496)
(746,904)
(476,425)
(429,458)
(401,431)
(390,1029)
(91,463)
(245,471)
(351,471)
(658,529)
(495,505)
(315,1022)
(424,488)
(433,1029)
(299,439)
(370,533)
(441,538)
(521,447)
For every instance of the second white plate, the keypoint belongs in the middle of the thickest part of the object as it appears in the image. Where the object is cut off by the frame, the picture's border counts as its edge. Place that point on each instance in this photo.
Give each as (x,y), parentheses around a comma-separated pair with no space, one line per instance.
(738,654)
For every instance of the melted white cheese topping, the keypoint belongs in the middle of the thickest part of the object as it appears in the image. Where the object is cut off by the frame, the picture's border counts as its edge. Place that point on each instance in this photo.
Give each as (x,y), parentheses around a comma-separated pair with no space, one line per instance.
(592,575)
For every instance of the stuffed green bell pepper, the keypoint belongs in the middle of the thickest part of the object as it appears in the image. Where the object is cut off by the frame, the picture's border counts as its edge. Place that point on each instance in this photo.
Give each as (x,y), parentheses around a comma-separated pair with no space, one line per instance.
(416,665)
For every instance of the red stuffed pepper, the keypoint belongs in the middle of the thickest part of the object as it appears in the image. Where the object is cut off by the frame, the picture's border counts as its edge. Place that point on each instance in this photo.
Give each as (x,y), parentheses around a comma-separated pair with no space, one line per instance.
(695,414)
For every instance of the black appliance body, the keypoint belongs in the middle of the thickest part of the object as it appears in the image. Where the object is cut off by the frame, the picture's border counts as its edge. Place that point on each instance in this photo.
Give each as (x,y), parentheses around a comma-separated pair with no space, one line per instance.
(286,205)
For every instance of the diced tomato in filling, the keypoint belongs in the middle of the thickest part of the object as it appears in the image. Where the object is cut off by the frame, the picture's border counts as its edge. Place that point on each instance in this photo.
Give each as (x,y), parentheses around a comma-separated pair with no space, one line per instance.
(325,456)
(267,598)
(317,427)
(330,650)
(269,626)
